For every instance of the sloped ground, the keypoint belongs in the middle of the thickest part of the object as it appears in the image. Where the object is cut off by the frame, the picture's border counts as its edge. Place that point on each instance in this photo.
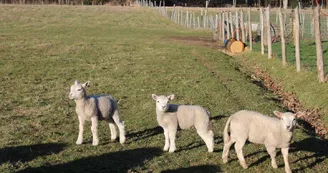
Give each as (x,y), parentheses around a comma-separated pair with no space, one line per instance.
(125,52)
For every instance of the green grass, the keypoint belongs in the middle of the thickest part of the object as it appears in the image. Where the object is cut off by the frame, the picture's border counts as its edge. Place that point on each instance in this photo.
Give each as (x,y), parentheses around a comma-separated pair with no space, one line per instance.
(307,51)
(305,84)
(126,52)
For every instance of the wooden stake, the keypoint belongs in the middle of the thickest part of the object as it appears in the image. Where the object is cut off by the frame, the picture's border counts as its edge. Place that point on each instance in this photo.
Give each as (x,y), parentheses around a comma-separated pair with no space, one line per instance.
(297,41)
(269,39)
(282,36)
(227,26)
(250,30)
(320,62)
(237,25)
(222,27)
(242,26)
(230,23)
(262,30)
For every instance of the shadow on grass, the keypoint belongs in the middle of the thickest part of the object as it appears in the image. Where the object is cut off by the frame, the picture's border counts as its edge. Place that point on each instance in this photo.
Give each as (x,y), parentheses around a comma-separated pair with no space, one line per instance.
(29,152)
(191,146)
(252,154)
(139,135)
(218,117)
(121,161)
(195,169)
(318,147)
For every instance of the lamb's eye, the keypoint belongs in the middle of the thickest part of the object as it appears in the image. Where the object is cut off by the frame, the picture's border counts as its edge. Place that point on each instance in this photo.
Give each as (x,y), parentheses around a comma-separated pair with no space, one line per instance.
(157,101)
(79,89)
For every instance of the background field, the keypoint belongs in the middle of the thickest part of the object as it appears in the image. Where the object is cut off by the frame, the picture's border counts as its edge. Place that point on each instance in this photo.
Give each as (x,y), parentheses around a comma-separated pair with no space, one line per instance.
(129,53)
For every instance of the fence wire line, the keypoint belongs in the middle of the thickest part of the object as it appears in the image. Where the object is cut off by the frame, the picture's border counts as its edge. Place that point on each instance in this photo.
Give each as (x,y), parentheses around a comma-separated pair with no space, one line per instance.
(200,18)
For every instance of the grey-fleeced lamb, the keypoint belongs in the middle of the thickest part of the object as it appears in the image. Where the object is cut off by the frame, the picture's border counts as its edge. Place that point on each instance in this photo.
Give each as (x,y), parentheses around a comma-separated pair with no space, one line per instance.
(257,128)
(170,116)
(94,108)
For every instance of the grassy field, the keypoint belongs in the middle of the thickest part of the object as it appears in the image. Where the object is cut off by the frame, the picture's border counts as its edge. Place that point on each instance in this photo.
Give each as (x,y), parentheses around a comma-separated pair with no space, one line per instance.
(129,53)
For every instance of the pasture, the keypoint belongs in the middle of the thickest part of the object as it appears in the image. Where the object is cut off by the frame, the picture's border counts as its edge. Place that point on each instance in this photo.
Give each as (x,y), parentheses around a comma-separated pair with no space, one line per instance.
(129,53)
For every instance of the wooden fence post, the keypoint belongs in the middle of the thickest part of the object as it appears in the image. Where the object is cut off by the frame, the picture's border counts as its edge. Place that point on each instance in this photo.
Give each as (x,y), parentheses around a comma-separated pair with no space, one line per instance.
(320,62)
(312,25)
(297,40)
(222,26)
(262,30)
(230,23)
(242,26)
(282,36)
(303,24)
(250,30)
(269,39)
(237,25)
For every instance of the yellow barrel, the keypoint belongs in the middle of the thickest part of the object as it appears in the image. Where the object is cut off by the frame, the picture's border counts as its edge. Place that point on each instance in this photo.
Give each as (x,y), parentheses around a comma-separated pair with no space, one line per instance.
(237,47)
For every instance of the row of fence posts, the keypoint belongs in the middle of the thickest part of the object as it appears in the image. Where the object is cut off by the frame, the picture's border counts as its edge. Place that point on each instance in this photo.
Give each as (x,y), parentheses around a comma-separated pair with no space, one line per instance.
(233,23)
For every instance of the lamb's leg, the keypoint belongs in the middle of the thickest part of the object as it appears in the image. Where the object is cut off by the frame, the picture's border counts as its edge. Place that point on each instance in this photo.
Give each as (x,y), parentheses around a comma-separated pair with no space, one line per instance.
(226,149)
(208,139)
(94,130)
(81,129)
(272,153)
(167,141)
(113,133)
(172,134)
(284,152)
(239,150)
(120,125)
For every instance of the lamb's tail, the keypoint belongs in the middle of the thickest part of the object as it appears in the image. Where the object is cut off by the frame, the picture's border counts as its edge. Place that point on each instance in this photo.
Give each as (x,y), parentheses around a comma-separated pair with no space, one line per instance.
(226,136)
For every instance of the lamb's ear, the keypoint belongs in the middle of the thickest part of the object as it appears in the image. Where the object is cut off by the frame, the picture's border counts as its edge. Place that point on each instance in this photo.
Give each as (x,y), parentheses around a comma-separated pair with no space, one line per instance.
(170,97)
(299,114)
(87,84)
(76,82)
(154,96)
(277,113)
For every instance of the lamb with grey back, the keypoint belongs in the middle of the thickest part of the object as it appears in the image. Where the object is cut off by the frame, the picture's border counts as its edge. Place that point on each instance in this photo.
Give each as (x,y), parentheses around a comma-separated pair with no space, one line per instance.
(170,116)
(257,128)
(94,108)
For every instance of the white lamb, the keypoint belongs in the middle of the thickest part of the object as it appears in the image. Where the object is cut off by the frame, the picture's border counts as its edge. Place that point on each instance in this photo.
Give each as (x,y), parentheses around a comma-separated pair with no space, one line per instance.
(257,128)
(169,116)
(94,108)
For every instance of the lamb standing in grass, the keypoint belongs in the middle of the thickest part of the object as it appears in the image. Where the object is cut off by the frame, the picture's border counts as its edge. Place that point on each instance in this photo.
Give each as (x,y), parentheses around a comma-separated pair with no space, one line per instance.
(257,128)
(94,108)
(169,116)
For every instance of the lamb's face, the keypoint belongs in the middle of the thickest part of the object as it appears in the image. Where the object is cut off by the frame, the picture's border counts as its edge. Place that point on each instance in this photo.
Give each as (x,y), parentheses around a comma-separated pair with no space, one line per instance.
(77,90)
(162,102)
(288,119)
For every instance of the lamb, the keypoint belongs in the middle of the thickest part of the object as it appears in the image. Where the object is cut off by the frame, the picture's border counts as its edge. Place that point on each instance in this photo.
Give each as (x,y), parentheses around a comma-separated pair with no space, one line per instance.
(257,128)
(94,108)
(170,116)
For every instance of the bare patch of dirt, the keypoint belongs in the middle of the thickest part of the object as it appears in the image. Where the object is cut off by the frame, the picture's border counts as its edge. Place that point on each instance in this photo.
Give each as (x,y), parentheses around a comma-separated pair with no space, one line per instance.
(199,41)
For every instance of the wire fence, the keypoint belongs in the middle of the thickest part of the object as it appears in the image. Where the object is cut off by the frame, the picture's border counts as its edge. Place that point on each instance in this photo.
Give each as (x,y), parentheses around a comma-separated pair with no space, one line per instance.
(262,25)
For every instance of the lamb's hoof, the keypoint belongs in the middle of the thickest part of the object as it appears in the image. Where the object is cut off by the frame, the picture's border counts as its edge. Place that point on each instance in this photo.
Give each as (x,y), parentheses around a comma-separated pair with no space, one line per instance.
(172,150)
(78,142)
(288,171)
(225,159)
(122,140)
(95,143)
(210,150)
(244,165)
(113,138)
(166,149)
(274,166)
